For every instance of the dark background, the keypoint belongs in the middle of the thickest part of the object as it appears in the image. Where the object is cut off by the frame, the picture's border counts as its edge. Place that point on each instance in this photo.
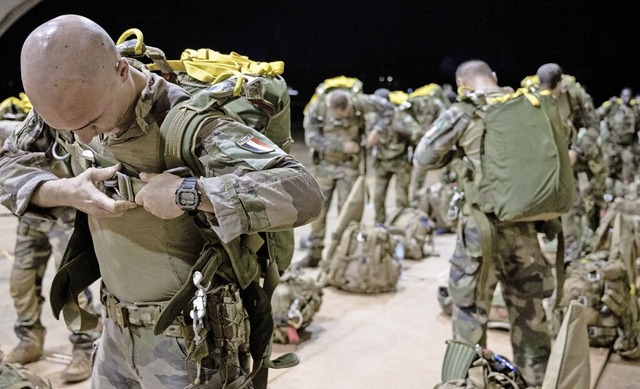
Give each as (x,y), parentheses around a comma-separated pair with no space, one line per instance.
(415,42)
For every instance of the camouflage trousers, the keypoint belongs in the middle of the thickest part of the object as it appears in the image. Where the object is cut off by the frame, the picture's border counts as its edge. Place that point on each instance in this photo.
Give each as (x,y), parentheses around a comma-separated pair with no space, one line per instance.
(132,356)
(36,241)
(621,160)
(331,177)
(400,168)
(526,280)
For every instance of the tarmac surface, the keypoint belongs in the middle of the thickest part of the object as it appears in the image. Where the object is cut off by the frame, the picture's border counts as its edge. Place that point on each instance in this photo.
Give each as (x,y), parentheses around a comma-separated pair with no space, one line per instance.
(384,341)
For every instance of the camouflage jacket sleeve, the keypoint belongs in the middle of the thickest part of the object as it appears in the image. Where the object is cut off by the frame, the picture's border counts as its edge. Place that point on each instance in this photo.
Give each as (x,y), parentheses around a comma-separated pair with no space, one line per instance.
(254,190)
(438,145)
(26,161)
(406,126)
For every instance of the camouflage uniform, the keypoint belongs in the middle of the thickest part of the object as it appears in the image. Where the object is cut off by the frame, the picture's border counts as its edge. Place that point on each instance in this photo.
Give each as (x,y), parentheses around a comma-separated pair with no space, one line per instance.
(333,169)
(145,260)
(578,114)
(425,108)
(36,241)
(518,262)
(619,139)
(392,158)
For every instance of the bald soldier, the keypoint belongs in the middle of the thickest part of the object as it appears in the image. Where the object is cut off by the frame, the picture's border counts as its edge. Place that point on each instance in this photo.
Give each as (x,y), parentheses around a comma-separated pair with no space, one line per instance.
(84,92)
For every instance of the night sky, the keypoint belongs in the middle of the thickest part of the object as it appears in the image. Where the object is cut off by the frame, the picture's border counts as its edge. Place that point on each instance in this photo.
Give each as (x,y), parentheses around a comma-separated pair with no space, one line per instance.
(415,42)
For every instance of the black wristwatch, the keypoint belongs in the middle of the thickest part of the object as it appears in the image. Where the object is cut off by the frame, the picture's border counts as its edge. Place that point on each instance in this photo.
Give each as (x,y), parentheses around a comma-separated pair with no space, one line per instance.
(187,196)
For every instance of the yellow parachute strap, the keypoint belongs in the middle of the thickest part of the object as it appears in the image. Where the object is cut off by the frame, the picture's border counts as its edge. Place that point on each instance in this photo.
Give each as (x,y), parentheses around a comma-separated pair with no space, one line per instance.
(463,90)
(341,82)
(522,91)
(22,103)
(139,47)
(207,65)
(398,97)
(530,81)
(425,90)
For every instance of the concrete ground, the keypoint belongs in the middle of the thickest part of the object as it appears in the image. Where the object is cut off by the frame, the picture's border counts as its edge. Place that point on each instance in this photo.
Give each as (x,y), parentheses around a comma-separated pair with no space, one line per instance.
(392,340)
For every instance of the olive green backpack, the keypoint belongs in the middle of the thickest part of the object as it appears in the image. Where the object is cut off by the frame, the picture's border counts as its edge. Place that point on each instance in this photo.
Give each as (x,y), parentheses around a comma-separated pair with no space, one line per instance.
(13,376)
(605,281)
(415,230)
(526,172)
(364,261)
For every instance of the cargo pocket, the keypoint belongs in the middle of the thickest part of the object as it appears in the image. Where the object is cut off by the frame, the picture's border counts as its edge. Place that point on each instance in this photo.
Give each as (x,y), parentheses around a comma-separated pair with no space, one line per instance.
(465,266)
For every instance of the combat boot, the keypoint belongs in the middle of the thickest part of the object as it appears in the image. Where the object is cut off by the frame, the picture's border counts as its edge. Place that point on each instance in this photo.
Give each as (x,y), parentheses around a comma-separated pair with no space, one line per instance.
(31,346)
(79,369)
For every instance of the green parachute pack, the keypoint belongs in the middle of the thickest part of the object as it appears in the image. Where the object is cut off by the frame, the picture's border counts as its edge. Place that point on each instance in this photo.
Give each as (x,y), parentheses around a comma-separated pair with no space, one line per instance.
(526,173)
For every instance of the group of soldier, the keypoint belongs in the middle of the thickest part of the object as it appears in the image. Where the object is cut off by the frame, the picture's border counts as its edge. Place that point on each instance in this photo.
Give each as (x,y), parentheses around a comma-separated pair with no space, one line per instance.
(401,135)
(426,129)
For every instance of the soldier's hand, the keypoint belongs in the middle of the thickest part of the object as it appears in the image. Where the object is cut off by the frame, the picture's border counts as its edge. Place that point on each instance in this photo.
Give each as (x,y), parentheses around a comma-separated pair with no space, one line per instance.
(573,157)
(351,147)
(373,139)
(159,195)
(82,192)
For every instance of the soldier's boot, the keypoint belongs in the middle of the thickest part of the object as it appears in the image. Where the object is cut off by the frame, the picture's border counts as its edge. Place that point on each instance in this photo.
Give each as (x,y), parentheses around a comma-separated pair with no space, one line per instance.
(79,369)
(31,345)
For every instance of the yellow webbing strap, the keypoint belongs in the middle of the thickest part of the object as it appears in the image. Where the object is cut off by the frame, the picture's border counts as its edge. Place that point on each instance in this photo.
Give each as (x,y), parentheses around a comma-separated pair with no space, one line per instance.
(21,103)
(510,96)
(207,65)
(139,48)
(530,81)
(425,90)
(398,97)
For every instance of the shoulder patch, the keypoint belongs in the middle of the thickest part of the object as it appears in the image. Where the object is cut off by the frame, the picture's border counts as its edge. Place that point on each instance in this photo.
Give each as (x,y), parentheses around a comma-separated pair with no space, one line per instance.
(253,144)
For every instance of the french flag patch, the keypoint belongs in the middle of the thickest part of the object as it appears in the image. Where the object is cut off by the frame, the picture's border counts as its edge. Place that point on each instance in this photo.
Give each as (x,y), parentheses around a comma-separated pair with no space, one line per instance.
(253,144)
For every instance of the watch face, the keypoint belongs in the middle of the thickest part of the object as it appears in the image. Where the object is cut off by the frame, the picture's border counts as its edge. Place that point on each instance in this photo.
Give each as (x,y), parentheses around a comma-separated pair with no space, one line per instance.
(188,199)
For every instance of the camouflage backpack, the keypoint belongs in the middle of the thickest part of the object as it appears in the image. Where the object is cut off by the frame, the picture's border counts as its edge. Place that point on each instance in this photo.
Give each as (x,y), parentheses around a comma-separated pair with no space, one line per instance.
(364,260)
(440,202)
(415,230)
(295,301)
(605,281)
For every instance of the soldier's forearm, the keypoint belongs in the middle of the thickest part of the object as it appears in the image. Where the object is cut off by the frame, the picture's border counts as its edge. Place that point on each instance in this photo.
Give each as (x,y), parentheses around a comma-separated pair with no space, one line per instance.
(50,194)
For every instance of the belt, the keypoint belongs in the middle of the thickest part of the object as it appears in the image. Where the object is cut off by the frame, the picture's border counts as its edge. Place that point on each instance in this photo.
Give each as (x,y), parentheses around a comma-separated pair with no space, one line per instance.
(126,314)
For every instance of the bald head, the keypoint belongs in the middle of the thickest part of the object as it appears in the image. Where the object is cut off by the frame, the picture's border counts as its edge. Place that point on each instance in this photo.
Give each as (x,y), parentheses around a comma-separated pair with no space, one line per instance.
(550,75)
(66,59)
(475,74)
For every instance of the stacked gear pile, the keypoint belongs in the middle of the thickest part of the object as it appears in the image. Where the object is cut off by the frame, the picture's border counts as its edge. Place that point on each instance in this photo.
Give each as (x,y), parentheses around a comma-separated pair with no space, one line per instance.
(295,301)
(415,230)
(605,281)
(468,366)
(441,202)
(222,312)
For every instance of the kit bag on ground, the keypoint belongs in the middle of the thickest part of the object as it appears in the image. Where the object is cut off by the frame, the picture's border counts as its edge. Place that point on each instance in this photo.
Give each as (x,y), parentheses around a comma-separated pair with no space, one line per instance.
(435,201)
(14,376)
(364,260)
(415,230)
(474,367)
(605,281)
(295,301)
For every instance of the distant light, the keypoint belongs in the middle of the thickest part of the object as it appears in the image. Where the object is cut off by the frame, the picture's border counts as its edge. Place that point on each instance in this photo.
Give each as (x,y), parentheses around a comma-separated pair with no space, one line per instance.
(390,78)
(292,92)
(381,78)
(409,90)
